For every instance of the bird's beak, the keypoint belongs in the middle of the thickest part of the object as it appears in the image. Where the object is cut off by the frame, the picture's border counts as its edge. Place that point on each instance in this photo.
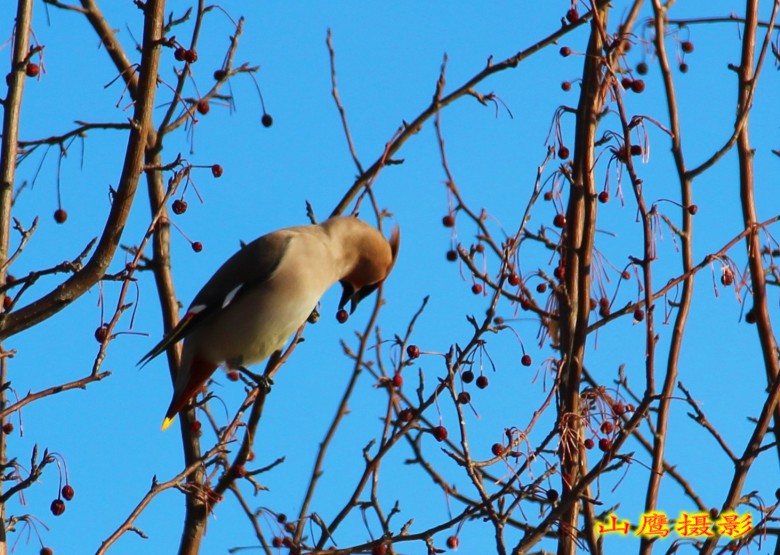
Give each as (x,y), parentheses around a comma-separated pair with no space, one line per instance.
(347,295)
(352,296)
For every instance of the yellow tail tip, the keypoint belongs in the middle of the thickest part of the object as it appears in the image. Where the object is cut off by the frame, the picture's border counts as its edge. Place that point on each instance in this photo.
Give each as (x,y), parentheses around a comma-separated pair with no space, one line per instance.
(167,422)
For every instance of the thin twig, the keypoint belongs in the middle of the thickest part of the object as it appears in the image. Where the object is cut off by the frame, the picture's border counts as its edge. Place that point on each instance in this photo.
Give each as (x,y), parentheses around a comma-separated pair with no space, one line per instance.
(339,105)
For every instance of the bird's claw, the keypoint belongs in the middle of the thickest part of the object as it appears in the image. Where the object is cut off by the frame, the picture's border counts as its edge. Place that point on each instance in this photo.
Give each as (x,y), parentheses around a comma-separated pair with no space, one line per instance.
(265,383)
(261,380)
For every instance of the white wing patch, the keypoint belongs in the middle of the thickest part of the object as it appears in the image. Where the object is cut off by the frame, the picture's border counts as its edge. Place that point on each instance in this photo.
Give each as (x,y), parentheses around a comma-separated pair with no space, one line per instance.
(195,310)
(232,295)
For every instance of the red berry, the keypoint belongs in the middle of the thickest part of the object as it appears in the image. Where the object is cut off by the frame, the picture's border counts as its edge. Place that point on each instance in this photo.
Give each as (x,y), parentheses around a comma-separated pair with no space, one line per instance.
(565,51)
(641,68)
(452,255)
(607,427)
(572,15)
(777,494)
(726,278)
(277,541)
(638,86)
(440,433)
(398,380)
(196,426)
(216,170)
(541,287)
(57,507)
(203,106)
(482,382)
(559,220)
(179,206)
(526,360)
(639,315)
(498,449)
(552,495)
(589,443)
(714,512)
(68,492)
(559,272)
(604,197)
(8,427)
(627,82)
(406,415)
(7,302)
(32,70)
(101,333)
(618,408)
(525,304)
(46,551)
(448,220)
(563,152)
(197,246)
(380,549)
(267,120)
(605,444)
(220,75)
(750,317)
(233,375)
(413,351)
(692,209)
(453,542)
(467,376)
(683,67)
(476,288)
(342,316)
(625,274)
(548,195)
(686,46)
(179,53)
(566,86)
(636,150)
(191,55)
(464,397)
(513,279)
(60,216)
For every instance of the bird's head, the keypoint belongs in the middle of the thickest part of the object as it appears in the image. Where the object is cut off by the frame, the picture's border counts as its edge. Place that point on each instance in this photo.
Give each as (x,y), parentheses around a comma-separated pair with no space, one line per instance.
(375,258)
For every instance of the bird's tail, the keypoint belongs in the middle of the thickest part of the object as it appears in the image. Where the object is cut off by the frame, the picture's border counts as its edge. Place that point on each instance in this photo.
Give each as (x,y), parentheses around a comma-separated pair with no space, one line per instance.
(187,386)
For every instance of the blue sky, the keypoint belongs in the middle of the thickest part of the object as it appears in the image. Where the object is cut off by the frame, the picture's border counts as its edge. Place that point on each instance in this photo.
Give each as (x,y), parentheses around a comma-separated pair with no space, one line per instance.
(388,58)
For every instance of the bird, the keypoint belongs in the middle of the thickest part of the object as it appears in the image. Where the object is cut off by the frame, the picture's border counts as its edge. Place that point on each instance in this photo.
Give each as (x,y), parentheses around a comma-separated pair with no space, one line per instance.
(263,293)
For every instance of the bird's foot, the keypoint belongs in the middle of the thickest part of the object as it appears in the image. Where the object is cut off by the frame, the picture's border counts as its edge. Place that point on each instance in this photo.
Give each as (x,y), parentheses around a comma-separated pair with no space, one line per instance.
(262,381)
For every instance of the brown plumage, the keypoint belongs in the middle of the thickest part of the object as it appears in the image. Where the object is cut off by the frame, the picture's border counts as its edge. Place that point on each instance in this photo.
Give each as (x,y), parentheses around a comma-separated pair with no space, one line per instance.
(258,298)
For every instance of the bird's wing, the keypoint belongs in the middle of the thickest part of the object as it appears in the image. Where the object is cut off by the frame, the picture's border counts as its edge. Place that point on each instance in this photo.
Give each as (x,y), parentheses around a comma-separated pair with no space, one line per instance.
(254,264)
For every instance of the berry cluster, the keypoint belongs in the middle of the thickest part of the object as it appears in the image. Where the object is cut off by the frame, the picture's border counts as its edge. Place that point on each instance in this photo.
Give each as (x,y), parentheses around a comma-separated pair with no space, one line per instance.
(58,505)
(608,426)
(189,55)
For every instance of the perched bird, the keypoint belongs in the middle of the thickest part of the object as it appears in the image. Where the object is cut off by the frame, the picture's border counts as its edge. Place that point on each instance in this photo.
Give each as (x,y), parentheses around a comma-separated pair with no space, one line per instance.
(258,298)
